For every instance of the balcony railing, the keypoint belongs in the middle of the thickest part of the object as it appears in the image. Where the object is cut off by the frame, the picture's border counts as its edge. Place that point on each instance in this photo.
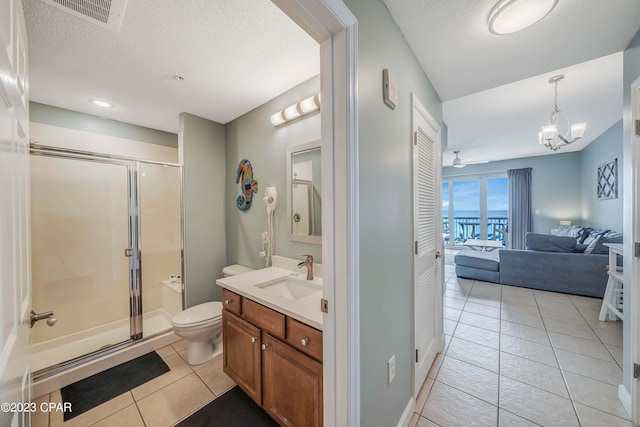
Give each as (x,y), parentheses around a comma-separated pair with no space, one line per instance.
(469,228)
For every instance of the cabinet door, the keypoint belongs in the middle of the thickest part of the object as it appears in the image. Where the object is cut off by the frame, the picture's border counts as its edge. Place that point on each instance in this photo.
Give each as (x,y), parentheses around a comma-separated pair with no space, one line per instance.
(241,343)
(292,381)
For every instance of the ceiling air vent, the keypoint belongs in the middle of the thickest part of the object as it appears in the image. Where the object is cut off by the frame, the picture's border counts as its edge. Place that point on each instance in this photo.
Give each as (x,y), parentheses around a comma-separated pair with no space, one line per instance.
(104,13)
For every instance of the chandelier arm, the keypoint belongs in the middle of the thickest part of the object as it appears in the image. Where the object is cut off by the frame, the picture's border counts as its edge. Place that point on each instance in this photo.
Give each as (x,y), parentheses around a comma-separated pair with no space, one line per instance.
(566,141)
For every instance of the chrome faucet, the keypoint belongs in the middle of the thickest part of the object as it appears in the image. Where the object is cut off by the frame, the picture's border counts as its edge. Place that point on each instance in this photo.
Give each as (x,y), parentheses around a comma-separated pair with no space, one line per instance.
(308,262)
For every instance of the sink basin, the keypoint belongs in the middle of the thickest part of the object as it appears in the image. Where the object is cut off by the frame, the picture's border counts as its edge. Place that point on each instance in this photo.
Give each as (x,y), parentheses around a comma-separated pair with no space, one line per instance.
(291,288)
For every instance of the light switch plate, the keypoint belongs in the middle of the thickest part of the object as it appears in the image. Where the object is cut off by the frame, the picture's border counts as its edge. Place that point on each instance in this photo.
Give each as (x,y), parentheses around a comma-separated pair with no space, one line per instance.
(389,88)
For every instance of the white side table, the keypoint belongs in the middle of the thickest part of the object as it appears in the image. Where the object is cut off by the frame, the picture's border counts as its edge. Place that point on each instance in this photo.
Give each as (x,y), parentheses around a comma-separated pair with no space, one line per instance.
(611,304)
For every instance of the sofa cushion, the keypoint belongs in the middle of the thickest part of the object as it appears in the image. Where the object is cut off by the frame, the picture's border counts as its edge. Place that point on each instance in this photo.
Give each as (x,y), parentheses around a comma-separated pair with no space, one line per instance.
(600,248)
(549,243)
(481,260)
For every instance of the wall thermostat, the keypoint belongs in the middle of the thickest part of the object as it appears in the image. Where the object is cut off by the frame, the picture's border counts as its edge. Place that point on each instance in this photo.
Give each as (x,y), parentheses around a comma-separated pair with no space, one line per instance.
(389,88)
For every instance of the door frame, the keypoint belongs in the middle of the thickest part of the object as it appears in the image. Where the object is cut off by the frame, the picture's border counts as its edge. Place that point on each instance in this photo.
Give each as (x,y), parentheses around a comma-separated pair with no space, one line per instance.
(631,398)
(418,107)
(335,28)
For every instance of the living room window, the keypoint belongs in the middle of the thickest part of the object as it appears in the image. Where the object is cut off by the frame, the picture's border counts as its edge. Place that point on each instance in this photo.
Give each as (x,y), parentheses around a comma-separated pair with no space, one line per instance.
(475,207)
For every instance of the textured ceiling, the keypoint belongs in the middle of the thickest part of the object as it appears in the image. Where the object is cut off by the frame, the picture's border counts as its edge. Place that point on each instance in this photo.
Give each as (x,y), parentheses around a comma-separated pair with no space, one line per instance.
(495,88)
(234,56)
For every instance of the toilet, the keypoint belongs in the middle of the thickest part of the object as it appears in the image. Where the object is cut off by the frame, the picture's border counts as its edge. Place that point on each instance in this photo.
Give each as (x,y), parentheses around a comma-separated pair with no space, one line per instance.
(201,325)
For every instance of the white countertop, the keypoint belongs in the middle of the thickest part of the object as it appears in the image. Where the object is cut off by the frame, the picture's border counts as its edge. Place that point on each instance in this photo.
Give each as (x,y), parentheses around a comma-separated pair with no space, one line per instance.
(306,310)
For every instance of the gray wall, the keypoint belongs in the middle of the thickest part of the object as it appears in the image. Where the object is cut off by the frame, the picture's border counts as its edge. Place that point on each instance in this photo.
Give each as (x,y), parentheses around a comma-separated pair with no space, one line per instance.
(202,151)
(41,113)
(631,73)
(385,198)
(605,214)
(253,137)
(555,185)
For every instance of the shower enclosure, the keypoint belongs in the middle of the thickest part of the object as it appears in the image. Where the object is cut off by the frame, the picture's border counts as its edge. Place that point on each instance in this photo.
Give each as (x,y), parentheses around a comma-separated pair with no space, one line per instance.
(107,235)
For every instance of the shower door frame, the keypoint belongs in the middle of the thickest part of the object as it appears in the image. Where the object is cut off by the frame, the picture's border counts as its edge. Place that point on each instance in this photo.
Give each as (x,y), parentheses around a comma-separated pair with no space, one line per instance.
(135,243)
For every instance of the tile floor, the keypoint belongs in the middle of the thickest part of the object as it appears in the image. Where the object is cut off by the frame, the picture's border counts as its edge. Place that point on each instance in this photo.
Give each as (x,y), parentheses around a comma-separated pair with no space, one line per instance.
(163,401)
(520,357)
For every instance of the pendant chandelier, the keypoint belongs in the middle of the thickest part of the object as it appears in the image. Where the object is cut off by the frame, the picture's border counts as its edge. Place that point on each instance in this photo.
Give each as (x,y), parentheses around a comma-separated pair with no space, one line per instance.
(559,131)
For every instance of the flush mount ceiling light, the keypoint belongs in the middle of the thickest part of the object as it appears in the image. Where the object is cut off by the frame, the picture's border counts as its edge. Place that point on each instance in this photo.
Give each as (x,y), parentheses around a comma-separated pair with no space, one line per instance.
(511,16)
(99,103)
(554,137)
(297,110)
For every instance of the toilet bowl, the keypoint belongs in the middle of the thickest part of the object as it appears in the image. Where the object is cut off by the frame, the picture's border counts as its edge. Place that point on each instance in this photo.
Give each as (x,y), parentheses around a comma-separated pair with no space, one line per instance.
(201,325)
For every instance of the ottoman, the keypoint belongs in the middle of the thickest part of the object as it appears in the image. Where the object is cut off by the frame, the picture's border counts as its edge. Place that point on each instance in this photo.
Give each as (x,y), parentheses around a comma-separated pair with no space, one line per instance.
(478,265)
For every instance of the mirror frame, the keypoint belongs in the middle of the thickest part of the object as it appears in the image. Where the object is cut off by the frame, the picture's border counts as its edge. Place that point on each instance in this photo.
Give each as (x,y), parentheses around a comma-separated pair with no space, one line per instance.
(316,240)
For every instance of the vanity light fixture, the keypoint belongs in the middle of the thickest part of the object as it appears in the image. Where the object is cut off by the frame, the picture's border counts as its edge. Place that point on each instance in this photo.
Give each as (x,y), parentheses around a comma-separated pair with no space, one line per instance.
(99,103)
(297,110)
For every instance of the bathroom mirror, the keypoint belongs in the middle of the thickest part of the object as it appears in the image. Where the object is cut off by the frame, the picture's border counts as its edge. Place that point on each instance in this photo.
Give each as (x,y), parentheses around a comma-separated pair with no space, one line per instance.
(304,190)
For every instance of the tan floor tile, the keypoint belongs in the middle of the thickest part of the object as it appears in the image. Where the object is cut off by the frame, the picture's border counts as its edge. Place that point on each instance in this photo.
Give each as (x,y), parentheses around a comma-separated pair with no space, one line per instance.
(174,402)
(478,335)
(480,321)
(181,345)
(533,373)
(616,352)
(580,346)
(516,307)
(569,316)
(485,300)
(513,294)
(449,326)
(453,303)
(447,341)
(507,419)
(179,369)
(450,293)
(523,318)
(92,416)
(610,337)
(587,302)
(484,310)
(451,313)
(581,331)
(450,407)
(535,404)
(471,379)
(127,417)
(590,417)
(528,349)
(165,351)
(423,394)
(595,394)
(215,378)
(479,355)
(485,289)
(423,422)
(525,332)
(605,326)
(590,367)
(414,420)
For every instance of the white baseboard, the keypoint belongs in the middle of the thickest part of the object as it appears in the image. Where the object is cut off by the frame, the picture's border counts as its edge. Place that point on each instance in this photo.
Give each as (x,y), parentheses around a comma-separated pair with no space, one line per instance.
(405,419)
(625,398)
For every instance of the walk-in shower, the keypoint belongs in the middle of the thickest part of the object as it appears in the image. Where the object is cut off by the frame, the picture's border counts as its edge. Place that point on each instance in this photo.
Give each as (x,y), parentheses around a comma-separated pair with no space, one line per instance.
(107,234)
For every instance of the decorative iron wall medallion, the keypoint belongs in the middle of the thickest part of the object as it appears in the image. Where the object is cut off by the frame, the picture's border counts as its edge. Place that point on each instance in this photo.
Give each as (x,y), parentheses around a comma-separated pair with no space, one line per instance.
(607,184)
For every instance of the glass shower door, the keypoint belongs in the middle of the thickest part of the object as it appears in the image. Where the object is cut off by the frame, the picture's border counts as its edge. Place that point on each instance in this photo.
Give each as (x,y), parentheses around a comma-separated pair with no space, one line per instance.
(80,230)
(160,232)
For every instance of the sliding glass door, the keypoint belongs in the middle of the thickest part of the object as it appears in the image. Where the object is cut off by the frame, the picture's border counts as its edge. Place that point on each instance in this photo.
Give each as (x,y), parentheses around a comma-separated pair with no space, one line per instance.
(474,207)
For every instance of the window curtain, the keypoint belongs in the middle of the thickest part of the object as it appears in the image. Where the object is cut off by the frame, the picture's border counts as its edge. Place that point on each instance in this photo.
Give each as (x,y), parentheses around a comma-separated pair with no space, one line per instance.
(519,206)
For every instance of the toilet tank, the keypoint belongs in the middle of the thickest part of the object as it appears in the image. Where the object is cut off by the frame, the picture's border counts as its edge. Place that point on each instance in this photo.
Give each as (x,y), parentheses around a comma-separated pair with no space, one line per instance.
(235,269)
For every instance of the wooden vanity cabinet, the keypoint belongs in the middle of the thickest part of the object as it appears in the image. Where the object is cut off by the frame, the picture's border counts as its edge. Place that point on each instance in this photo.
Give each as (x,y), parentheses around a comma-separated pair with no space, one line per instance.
(241,354)
(276,360)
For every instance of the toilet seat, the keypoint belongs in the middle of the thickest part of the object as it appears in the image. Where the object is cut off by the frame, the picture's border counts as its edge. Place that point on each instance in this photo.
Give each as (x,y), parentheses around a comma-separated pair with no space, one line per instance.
(199,314)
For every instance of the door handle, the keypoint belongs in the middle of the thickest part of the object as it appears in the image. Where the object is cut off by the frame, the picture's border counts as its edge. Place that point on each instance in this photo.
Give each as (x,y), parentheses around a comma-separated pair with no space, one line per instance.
(438,255)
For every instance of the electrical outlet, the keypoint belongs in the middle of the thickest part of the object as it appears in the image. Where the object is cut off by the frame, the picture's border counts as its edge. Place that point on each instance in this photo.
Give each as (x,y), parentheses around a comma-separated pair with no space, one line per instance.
(391,365)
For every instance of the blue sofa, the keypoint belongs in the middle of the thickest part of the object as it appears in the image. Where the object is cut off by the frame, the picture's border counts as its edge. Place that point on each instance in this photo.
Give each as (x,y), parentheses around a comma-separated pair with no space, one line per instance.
(551,266)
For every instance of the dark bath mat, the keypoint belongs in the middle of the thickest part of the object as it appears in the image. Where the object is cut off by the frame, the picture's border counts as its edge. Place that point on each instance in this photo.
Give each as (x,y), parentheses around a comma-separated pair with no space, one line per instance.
(90,392)
(232,409)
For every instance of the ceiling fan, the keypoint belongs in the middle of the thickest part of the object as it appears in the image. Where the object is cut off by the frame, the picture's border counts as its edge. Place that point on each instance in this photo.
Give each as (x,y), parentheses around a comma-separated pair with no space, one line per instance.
(460,163)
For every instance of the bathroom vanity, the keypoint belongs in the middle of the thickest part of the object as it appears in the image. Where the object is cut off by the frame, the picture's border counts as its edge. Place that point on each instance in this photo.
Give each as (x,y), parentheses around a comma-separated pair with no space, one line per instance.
(272,342)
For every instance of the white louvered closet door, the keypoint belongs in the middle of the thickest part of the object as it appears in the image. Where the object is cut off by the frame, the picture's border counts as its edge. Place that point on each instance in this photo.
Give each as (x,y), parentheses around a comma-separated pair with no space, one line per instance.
(427,293)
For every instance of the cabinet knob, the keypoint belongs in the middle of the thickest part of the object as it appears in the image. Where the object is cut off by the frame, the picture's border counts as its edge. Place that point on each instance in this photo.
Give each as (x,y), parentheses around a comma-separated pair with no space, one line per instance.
(227,301)
(264,346)
(304,341)
(254,339)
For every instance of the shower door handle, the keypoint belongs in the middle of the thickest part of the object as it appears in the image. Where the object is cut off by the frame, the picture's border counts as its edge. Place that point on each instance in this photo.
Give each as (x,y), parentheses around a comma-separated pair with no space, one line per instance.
(128,252)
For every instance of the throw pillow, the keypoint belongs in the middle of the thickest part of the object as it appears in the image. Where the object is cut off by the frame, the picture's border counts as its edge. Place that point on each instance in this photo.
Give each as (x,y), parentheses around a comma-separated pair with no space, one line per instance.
(584,233)
(568,230)
(549,243)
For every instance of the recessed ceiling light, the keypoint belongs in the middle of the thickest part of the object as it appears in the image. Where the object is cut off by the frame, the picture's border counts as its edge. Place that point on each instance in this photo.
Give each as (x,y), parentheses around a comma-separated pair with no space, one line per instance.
(511,16)
(102,104)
